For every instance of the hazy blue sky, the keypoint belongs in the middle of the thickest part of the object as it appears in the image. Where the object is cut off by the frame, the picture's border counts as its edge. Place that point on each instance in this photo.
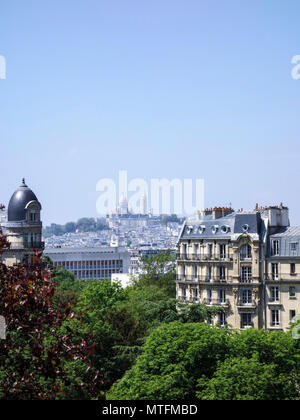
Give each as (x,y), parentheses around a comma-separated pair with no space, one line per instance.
(161,88)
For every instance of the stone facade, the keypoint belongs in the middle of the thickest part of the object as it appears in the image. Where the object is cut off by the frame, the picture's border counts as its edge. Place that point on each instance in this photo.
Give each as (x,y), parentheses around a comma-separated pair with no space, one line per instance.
(225,258)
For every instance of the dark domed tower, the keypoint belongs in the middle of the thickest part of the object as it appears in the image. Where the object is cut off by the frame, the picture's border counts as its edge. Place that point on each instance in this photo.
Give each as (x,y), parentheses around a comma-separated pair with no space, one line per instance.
(23,227)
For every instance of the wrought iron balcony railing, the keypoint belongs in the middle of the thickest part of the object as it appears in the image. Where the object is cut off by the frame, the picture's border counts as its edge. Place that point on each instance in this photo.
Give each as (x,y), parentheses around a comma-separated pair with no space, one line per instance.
(216,302)
(205,257)
(246,304)
(206,279)
(27,245)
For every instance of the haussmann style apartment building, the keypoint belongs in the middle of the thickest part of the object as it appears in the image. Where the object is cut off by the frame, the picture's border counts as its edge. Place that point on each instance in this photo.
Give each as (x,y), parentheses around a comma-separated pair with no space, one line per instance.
(248,262)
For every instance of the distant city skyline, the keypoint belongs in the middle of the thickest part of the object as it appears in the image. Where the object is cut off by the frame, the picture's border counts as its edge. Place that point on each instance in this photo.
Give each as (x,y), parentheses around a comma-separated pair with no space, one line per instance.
(200,89)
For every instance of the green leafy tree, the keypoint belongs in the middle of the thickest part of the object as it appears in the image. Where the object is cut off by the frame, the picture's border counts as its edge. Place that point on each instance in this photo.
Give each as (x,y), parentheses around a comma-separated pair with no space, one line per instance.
(68,287)
(174,357)
(115,330)
(243,378)
(158,270)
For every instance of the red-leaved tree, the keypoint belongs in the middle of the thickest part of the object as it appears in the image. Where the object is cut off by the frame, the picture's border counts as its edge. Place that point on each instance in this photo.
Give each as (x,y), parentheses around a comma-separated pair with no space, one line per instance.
(42,357)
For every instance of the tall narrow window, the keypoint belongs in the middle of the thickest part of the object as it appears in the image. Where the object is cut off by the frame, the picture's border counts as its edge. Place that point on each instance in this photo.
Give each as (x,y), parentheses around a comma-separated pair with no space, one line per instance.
(274,294)
(294,248)
(222,319)
(275,247)
(195,295)
(292,292)
(275,318)
(222,251)
(246,274)
(222,296)
(293,268)
(196,250)
(246,320)
(275,271)
(209,296)
(246,252)
(247,297)
(222,272)
(183,293)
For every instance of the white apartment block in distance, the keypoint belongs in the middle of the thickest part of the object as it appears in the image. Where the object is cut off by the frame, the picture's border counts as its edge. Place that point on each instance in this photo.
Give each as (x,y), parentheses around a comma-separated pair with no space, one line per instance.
(85,263)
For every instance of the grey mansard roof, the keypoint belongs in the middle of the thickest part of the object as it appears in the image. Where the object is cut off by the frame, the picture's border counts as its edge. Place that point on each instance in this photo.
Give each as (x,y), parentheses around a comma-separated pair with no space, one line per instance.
(16,211)
(286,237)
(228,227)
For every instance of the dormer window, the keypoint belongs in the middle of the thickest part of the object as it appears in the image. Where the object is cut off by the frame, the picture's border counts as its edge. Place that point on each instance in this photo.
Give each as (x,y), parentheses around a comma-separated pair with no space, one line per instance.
(190,230)
(275,247)
(246,228)
(33,216)
(225,229)
(201,229)
(214,229)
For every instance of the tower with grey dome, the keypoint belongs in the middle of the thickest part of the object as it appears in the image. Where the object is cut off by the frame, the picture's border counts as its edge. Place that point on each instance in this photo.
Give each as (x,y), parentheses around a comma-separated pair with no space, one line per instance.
(22,227)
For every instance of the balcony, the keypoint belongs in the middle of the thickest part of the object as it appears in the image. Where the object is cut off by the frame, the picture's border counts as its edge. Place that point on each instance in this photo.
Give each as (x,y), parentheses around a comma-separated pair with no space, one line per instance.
(216,302)
(215,257)
(203,279)
(242,304)
(245,279)
(27,245)
(282,277)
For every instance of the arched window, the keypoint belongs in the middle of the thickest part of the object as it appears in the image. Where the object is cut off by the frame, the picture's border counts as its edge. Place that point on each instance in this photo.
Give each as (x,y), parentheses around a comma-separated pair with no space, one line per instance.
(246,252)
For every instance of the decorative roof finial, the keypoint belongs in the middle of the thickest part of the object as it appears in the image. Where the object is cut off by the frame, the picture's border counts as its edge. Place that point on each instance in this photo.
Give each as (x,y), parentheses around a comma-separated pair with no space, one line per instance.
(23,183)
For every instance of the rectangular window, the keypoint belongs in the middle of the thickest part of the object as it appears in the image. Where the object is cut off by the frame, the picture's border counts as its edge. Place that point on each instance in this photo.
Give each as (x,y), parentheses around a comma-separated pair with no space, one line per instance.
(293,268)
(222,251)
(222,273)
(183,293)
(246,276)
(195,295)
(209,296)
(222,319)
(275,271)
(294,248)
(292,314)
(292,292)
(246,252)
(274,294)
(275,247)
(246,320)
(275,318)
(222,296)
(247,297)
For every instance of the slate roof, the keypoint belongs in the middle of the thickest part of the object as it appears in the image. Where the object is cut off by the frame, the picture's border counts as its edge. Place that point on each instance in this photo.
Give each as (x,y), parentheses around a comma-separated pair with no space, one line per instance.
(226,227)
